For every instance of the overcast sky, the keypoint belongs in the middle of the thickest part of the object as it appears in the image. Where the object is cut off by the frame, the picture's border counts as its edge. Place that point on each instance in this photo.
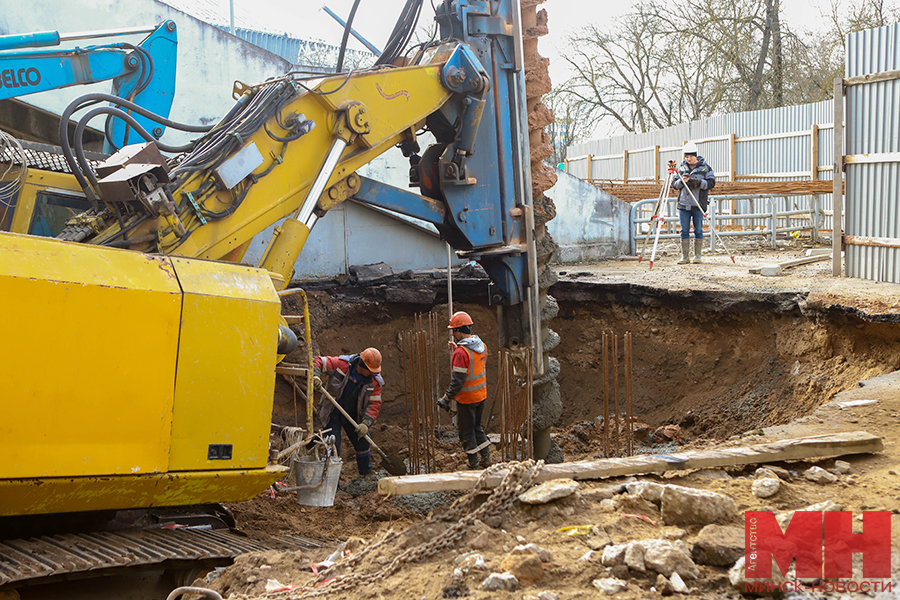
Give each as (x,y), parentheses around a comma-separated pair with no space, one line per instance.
(375,19)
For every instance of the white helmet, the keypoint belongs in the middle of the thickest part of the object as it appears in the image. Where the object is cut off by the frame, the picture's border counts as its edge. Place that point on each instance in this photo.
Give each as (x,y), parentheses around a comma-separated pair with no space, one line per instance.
(689,148)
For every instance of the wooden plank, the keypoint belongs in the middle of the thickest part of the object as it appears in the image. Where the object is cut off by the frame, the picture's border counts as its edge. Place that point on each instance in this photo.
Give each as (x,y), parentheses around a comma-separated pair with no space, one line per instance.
(861,240)
(732,161)
(814,153)
(872,78)
(293,319)
(796,262)
(643,190)
(872,159)
(656,164)
(838,444)
(295,370)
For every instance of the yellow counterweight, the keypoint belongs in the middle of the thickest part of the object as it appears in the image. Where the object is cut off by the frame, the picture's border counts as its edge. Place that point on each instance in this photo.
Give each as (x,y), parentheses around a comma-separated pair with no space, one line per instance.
(134,380)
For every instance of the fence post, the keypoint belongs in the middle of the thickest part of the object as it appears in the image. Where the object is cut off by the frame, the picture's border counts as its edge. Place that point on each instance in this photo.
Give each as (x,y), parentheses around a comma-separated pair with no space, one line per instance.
(656,163)
(814,217)
(837,190)
(814,153)
(590,166)
(774,226)
(712,225)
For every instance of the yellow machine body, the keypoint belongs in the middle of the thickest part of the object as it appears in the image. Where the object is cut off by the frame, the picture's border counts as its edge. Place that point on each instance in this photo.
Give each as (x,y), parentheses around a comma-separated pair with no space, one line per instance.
(171,405)
(47,199)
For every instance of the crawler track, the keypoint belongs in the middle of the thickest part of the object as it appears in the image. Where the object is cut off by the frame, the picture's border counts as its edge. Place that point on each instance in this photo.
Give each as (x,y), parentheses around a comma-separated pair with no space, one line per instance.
(55,557)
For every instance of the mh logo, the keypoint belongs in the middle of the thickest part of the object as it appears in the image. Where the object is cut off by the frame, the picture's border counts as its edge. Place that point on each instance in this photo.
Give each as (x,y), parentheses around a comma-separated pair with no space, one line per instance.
(823,544)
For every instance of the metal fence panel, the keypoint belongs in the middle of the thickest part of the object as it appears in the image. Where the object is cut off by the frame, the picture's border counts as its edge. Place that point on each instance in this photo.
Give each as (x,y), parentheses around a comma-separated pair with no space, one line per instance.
(787,153)
(872,127)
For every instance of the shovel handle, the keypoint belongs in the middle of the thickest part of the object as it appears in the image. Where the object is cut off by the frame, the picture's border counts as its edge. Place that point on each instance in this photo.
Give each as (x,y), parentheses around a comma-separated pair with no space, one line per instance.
(352,422)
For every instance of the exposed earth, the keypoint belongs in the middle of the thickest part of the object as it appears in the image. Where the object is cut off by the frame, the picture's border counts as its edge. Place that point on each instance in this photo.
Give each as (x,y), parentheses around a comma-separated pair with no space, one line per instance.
(721,358)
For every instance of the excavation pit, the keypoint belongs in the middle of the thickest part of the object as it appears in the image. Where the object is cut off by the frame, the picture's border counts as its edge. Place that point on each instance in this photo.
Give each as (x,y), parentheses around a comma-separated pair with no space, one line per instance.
(707,363)
(717,355)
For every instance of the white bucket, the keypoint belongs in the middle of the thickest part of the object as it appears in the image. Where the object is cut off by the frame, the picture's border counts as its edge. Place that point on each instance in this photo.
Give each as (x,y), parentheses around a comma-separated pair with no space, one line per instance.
(319,484)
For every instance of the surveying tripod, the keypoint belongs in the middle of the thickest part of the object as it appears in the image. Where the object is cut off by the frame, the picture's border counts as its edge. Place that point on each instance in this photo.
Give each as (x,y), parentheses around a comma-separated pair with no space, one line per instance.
(658,220)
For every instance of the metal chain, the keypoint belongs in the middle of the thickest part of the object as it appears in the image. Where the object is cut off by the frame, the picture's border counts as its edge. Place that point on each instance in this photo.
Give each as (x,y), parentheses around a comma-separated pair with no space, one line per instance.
(518,477)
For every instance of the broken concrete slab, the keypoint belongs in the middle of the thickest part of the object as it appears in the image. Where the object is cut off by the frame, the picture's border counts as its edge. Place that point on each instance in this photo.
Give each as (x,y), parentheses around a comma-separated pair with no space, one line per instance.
(689,506)
(818,446)
(549,491)
(718,545)
(374,273)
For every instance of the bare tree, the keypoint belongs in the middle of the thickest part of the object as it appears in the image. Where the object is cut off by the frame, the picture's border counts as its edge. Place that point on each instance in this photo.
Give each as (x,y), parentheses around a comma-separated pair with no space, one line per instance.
(747,38)
(629,73)
(668,62)
(571,123)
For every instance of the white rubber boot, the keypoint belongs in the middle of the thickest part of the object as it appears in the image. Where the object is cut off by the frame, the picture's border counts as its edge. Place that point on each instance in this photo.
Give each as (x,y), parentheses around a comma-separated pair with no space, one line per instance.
(698,247)
(685,252)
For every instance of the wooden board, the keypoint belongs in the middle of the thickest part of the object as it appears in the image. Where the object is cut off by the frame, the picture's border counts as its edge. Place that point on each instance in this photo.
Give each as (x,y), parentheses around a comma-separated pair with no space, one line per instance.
(294,370)
(837,444)
(796,262)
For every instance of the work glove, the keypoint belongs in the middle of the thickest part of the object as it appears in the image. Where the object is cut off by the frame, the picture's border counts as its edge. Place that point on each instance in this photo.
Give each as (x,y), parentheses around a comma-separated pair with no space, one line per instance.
(444,403)
(693,183)
(363,428)
(317,379)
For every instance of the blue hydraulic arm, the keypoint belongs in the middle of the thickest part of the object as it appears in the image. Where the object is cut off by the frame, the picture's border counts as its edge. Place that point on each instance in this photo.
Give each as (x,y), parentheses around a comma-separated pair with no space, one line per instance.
(474,184)
(144,74)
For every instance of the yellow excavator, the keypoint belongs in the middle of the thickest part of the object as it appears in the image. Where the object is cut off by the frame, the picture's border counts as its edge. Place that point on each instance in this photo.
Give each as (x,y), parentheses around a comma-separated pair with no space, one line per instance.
(140,354)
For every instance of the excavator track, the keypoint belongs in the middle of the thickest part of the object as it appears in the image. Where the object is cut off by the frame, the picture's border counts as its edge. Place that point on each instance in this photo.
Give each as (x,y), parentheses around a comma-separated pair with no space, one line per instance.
(57,557)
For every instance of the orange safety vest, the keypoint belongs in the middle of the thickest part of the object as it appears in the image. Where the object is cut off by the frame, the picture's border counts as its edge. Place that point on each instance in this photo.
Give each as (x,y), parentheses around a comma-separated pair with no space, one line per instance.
(475,387)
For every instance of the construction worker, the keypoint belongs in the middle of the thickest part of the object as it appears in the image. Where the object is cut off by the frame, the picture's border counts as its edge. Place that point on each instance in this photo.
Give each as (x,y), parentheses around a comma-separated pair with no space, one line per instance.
(694,178)
(355,382)
(468,386)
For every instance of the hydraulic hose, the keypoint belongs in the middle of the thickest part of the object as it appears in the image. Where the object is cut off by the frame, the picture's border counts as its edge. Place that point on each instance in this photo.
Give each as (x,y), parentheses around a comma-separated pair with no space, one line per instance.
(347,27)
(98,97)
(79,140)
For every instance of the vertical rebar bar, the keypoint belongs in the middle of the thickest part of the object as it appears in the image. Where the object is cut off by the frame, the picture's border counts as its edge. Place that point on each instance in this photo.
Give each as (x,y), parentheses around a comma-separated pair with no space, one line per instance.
(529,407)
(615,370)
(422,368)
(404,354)
(504,407)
(415,400)
(605,340)
(629,391)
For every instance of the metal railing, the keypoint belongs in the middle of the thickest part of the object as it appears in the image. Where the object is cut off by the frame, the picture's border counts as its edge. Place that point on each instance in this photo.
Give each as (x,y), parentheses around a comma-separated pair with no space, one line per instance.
(736,216)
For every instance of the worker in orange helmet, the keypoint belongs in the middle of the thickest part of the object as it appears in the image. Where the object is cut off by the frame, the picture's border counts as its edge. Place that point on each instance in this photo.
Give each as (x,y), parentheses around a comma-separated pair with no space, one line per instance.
(355,381)
(468,387)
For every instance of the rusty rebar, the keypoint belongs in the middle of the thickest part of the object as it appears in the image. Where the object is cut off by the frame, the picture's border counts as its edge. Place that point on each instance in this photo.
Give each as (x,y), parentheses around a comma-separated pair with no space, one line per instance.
(515,378)
(629,397)
(529,407)
(605,341)
(615,355)
(421,372)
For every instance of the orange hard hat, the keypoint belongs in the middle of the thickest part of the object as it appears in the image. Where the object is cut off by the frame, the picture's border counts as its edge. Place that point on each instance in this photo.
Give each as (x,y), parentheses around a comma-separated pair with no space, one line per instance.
(371,357)
(459,319)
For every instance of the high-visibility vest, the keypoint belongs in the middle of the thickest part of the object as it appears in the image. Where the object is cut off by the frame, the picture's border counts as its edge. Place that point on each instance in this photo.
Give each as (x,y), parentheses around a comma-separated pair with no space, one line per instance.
(475,387)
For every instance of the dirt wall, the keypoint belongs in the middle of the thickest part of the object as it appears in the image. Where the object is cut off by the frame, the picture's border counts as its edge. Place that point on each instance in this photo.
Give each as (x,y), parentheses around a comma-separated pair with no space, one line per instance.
(738,364)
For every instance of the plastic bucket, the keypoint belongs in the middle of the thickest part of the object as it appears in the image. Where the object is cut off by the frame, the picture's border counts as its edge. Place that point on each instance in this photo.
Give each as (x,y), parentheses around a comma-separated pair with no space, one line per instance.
(317,480)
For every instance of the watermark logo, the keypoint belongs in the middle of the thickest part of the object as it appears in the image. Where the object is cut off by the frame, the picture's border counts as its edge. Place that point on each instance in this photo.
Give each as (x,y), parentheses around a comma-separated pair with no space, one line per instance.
(822,543)
(12,78)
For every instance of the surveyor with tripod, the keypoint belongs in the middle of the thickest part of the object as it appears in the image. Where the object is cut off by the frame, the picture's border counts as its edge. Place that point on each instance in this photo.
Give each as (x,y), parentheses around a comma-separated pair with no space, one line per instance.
(694,179)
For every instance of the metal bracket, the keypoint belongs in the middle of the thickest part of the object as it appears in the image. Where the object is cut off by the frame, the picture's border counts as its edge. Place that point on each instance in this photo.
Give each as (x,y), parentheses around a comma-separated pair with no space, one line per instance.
(196,207)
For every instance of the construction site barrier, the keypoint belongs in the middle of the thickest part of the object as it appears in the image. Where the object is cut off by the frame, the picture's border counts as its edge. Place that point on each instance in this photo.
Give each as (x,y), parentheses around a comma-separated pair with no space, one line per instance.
(742,215)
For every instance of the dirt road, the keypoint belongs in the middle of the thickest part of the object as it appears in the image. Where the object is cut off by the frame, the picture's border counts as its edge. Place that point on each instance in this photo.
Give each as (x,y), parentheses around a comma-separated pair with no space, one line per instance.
(821,335)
